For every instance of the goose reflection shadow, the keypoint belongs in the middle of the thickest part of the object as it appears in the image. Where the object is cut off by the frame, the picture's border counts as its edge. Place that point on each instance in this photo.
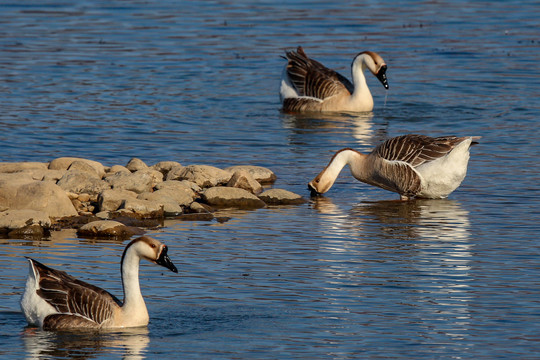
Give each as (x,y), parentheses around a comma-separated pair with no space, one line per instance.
(422,219)
(360,125)
(427,246)
(131,344)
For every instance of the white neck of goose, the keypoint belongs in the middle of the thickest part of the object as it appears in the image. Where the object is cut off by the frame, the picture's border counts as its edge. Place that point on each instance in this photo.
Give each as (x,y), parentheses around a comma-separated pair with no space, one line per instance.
(133,300)
(359,65)
(353,158)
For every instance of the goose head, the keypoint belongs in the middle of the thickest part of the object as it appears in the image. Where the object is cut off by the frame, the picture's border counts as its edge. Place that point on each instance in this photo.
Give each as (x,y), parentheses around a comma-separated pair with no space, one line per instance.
(321,183)
(152,250)
(375,63)
(325,179)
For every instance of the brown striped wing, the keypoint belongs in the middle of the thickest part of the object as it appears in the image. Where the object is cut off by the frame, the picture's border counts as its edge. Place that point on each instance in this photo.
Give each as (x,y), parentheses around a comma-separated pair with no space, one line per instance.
(416,149)
(313,79)
(301,104)
(400,155)
(70,296)
(398,177)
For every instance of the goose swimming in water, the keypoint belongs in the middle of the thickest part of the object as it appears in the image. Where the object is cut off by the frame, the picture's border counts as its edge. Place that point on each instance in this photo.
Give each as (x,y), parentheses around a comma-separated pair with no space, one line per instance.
(411,165)
(309,86)
(54,300)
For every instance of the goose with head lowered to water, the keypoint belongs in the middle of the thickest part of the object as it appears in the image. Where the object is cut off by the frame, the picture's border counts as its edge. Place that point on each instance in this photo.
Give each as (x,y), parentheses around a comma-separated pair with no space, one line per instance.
(309,86)
(54,300)
(410,165)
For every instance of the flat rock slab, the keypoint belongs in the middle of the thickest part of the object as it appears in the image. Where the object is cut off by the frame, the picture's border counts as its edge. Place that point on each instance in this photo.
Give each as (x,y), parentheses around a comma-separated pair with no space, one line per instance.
(204,176)
(223,196)
(142,208)
(167,199)
(64,163)
(16,219)
(259,173)
(106,229)
(111,200)
(78,181)
(37,195)
(281,197)
(22,166)
(244,180)
(188,187)
(138,182)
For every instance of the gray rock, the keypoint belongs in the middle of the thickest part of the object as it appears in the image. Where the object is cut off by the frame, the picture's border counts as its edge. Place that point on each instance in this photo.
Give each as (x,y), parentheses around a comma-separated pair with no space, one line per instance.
(15,179)
(117,168)
(138,181)
(173,173)
(103,215)
(77,181)
(181,197)
(259,173)
(33,170)
(84,197)
(202,175)
(10,167)
(37,195)
(136,164)
(196,207)
(17,219)
(281,197)
(165,166)
(111,200)
(184,186)
(85,167)
(143,208)
(157,177)
(64,163)
(243,180)
(106,228)
(53,175)
(29,231)
(222,196)
(164,198)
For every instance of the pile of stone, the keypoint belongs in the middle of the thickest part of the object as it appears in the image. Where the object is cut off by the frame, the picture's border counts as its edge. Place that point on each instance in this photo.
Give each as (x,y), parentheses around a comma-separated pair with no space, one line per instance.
(38,197)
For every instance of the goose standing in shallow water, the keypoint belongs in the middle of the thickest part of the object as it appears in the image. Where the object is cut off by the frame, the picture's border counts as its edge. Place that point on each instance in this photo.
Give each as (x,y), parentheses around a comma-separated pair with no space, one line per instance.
(411,165)
(54,300)
(309,86)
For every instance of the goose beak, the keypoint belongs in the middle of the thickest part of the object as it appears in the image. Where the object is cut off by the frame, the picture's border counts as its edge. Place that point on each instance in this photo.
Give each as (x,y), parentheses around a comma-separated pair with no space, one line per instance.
(313,191)
(381,75)
(165,261)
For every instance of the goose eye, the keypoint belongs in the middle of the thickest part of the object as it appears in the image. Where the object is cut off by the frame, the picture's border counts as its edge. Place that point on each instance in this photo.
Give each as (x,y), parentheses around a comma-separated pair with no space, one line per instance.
(153,246)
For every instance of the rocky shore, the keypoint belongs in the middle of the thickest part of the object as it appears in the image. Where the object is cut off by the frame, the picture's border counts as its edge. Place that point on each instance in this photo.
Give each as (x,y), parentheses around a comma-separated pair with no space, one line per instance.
(117,201)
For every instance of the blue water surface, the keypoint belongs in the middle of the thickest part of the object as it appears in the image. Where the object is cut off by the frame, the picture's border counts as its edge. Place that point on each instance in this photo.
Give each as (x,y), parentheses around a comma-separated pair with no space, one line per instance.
(353,274)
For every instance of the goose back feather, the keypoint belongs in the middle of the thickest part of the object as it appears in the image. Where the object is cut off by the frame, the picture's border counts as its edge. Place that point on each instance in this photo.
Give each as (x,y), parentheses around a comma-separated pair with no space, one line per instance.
(72,299)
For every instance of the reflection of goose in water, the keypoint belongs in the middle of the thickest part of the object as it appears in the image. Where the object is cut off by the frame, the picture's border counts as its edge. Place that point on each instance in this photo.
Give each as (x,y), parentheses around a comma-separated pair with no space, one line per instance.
(309,128)
(414,257)
(129,343)
(420,219)
(309,86)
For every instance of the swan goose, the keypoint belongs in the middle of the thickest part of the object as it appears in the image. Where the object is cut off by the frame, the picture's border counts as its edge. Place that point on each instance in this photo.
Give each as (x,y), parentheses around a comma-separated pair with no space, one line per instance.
(411,165)
(54,300)
(309,86)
